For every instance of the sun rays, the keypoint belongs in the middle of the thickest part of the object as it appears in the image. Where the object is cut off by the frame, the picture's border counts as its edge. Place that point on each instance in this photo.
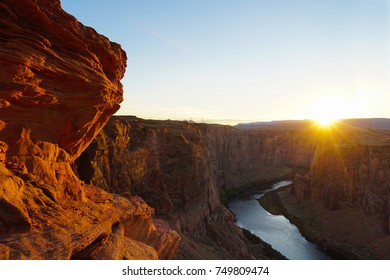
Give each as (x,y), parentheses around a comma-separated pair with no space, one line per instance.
(329,109)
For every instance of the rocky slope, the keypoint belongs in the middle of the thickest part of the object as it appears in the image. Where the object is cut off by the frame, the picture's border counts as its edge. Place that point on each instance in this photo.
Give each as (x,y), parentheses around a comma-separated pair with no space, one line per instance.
(60,82)
(346,196)
(184,171)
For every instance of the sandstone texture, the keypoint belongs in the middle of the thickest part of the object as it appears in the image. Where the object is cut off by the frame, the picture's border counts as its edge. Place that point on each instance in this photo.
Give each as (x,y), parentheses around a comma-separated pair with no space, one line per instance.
(60,83)
(55,71)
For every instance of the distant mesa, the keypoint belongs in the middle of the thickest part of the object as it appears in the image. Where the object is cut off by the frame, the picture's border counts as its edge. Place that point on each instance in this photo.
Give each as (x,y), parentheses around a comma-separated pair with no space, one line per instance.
(363,123)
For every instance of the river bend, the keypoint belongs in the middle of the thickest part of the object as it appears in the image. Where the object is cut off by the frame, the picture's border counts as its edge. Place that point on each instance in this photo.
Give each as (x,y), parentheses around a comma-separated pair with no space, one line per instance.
(274,229)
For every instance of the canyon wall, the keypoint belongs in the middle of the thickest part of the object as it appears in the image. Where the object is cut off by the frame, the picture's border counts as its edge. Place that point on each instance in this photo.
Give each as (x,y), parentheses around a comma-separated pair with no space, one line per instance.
(353,175)
(184,170)
(350,181)
(60,83)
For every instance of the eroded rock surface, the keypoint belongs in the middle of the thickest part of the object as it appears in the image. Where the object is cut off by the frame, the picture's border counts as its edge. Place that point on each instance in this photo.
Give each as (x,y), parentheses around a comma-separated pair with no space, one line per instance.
(59,84)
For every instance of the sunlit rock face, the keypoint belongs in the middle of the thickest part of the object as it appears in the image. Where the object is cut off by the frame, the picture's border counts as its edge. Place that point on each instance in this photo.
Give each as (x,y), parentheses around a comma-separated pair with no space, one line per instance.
(54,70)
(59,84)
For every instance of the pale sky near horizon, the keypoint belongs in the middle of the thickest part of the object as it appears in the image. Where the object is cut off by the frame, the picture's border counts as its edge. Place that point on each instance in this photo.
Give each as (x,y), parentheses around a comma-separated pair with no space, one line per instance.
(248,60)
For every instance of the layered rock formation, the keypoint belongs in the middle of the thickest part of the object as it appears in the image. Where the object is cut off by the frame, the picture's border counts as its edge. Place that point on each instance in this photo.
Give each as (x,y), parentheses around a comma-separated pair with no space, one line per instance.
(60,82)
(351,181)
(183,170)
(356,175)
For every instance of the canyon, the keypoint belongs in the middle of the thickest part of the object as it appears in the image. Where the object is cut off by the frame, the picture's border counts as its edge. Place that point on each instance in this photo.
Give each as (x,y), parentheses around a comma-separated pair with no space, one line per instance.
(77,182)
(158,200)
(343,202)
(186,172)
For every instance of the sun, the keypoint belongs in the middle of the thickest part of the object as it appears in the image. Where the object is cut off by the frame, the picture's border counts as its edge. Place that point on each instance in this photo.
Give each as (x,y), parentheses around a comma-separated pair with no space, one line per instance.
(325,121)
(326,111)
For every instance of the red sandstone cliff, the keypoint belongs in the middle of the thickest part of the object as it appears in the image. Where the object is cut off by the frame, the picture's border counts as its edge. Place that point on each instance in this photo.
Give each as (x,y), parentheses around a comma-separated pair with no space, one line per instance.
(60,82)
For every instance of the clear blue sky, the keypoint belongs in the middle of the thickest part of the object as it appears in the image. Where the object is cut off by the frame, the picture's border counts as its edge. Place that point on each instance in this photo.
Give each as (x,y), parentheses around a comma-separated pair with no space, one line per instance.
(248,60)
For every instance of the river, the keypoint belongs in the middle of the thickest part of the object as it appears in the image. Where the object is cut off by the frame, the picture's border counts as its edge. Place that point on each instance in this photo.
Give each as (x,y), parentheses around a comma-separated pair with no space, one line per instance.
(276,230)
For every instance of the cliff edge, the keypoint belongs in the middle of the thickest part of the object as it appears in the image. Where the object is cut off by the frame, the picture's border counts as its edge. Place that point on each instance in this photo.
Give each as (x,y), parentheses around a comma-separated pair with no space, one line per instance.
(60,83)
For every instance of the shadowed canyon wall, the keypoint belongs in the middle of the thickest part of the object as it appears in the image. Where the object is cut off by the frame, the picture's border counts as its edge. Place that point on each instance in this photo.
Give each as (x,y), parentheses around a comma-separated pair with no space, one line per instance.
(60,83)
(355,175)
(349,181)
